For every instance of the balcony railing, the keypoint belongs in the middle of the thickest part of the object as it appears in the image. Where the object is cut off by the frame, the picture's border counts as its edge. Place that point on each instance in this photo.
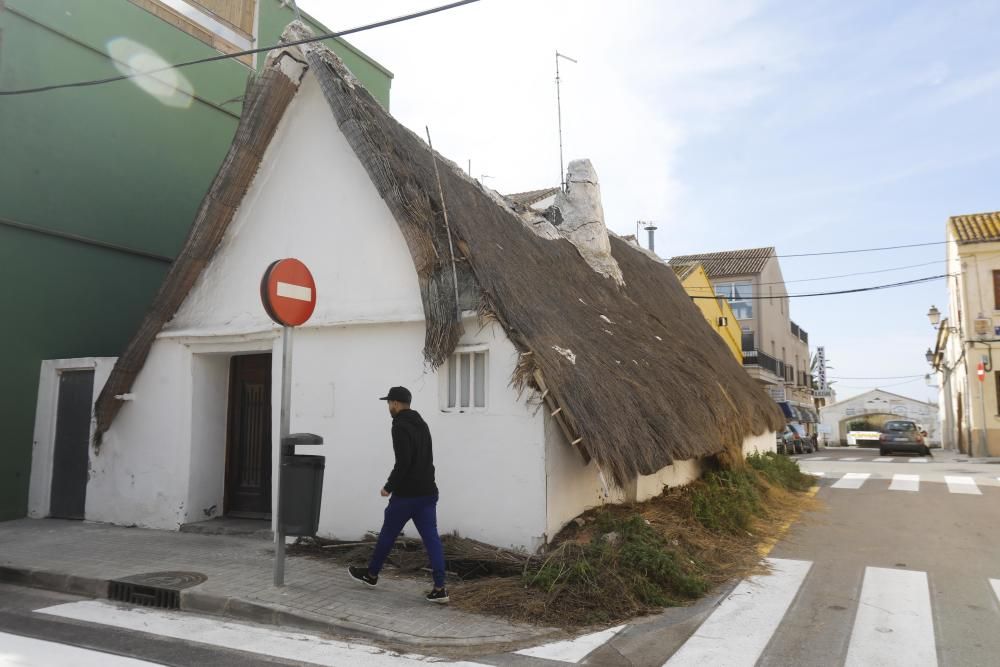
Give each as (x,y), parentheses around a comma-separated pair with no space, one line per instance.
(765,361)
(800,333)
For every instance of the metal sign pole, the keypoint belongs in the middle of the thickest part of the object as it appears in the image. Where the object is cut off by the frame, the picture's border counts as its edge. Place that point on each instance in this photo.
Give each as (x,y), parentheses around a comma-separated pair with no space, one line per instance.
(283,431)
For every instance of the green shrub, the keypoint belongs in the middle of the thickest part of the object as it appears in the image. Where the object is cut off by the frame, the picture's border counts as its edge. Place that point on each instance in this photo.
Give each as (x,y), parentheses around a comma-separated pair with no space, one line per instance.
(780,471)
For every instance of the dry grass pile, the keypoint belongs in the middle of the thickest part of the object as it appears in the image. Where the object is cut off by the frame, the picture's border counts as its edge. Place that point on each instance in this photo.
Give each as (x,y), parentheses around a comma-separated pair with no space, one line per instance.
(620,561)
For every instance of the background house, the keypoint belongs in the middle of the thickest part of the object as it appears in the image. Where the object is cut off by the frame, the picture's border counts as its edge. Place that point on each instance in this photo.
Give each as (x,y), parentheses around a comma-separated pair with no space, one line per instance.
(718,313)
(557,369)
(775,349)
(875,408)
(970,411)
(98,185)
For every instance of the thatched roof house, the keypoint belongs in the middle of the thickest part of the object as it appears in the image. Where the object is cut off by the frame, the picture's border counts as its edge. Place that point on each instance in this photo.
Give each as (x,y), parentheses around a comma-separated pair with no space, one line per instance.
(576,319)
(647,383)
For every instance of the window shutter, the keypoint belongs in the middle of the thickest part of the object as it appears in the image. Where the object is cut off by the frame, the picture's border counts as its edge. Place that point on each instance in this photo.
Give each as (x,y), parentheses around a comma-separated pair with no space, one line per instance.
(996,290)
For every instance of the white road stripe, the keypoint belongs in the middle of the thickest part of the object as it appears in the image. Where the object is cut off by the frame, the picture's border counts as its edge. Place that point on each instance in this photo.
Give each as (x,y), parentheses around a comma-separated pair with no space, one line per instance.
(905,483)
(853,458)
(887,459)
(818,458)
(738,631)
(816,474)
(852,480)
(920,460)
(573,650)
(298,292)
(18,651)
(295,646)
(894,625)
(962,485)
(995,583)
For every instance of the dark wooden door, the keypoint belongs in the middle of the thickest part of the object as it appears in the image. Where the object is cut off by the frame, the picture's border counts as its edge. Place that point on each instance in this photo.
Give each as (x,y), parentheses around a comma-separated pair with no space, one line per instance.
(248,453)
(70,459)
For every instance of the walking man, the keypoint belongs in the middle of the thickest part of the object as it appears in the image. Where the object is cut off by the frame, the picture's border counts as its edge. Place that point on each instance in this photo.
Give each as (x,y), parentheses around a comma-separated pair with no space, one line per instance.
(412,494)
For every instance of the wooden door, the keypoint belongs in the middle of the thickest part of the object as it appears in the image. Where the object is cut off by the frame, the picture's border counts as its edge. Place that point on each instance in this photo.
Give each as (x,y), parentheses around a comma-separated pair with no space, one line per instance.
(248,451)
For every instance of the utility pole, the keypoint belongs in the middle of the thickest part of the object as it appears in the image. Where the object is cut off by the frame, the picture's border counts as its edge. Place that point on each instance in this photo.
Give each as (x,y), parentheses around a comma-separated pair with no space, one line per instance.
(562,170)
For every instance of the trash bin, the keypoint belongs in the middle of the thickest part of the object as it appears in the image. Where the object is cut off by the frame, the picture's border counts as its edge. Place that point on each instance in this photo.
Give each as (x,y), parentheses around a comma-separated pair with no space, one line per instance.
(301,493)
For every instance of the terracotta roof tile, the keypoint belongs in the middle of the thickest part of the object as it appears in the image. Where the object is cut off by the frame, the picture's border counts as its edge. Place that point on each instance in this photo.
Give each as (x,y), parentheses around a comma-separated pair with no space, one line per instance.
(976,228)
(682,271)
(532,196)
(729,262)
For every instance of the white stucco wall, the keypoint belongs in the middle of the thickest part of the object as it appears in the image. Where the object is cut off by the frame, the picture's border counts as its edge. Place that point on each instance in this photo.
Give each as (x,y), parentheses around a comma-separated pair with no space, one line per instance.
(759,444)
(43,446)
(312,200)
(678,474)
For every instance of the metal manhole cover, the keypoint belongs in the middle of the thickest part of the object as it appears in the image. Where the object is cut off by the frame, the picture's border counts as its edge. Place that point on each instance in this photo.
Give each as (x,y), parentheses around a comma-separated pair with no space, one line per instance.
(175,581)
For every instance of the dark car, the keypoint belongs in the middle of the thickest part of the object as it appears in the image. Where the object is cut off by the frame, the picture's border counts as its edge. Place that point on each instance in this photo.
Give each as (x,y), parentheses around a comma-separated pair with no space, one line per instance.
(902,436)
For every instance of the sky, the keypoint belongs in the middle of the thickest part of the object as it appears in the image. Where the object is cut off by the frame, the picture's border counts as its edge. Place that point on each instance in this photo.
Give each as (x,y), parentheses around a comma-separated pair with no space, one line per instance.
(732,124)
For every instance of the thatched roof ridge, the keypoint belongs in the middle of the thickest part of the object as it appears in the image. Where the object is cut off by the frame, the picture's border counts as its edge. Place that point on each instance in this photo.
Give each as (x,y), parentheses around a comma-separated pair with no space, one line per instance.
(637,372)
(637,377)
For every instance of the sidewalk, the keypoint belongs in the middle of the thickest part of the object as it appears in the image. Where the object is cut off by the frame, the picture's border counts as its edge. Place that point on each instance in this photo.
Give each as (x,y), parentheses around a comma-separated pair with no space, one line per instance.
(80,558)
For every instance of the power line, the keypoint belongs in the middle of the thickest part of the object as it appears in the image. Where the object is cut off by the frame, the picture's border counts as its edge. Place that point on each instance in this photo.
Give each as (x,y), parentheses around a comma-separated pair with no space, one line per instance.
(843,275)
(887,377)
(240,54)
(845,291)
(885,386)
(749,255)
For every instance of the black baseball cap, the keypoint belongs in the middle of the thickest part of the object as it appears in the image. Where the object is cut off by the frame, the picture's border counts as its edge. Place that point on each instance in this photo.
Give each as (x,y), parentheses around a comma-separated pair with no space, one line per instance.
(401,394)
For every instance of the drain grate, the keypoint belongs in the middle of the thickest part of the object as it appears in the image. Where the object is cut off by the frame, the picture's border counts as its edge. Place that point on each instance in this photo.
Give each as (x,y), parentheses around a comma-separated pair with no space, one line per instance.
(161,590)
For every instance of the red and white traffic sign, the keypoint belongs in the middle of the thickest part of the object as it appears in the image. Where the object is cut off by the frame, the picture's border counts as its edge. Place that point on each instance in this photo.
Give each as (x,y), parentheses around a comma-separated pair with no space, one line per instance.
(981,371)
(288,292)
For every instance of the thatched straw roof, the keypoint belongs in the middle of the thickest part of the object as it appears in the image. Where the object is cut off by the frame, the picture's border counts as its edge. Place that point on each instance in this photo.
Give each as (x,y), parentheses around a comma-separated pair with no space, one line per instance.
(636,375)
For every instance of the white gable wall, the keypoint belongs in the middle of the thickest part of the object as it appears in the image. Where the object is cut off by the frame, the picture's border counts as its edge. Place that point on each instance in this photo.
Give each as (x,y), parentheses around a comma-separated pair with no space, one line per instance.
(313,200)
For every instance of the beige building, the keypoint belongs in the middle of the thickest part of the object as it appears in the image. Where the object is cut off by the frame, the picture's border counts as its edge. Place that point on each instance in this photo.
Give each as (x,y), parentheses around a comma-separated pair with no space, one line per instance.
(775,348)
(970,406)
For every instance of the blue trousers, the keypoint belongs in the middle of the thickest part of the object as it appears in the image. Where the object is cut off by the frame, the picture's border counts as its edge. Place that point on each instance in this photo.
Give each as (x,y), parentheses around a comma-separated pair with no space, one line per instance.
(422,510)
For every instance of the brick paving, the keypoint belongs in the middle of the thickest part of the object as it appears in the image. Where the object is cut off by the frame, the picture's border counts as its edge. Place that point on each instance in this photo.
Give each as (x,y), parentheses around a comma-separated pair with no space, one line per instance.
(318,595)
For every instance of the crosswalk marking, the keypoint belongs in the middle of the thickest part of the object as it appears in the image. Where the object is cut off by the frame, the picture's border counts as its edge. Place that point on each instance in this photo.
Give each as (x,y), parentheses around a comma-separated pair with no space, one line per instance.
(920,460)
(894,625)
(572,650)
(853,458)
(995,583)
(905,483)
(887,459)
(297,647)
(740,628)
(962,485)
(818,458)
(852,480)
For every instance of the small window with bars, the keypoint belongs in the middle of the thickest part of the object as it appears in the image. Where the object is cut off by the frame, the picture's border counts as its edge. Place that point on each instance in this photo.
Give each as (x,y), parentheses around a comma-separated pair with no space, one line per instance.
(466,381)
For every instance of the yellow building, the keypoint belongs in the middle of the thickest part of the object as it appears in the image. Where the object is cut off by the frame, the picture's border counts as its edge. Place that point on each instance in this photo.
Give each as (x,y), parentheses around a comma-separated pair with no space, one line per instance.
(717,311)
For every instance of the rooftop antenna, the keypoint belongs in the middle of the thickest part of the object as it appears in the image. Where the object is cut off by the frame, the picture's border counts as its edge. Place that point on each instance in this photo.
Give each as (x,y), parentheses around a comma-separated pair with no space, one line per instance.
(562,170)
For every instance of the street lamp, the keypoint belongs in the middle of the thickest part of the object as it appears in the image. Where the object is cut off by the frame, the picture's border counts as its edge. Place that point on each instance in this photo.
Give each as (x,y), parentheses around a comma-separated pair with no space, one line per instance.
(929,356)
(934,315)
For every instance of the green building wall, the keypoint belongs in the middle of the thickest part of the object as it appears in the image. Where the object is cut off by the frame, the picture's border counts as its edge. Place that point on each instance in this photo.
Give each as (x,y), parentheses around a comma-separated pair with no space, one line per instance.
(99,186)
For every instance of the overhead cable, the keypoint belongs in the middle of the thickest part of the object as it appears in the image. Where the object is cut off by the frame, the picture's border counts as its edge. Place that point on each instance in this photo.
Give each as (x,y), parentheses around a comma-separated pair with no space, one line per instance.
(240,54)
(842,275)
(845,291)
(735,255)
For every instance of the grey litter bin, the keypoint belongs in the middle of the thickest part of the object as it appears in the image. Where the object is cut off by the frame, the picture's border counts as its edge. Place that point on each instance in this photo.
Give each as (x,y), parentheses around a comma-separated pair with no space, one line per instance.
(301,486)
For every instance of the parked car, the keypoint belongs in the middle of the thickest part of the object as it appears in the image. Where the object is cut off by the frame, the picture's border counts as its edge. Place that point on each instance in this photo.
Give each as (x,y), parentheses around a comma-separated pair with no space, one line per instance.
(808,447)
(790,441)
(902,435)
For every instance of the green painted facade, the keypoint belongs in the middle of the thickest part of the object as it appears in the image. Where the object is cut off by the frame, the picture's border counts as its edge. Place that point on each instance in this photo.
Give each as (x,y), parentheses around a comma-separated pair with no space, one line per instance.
(110,163)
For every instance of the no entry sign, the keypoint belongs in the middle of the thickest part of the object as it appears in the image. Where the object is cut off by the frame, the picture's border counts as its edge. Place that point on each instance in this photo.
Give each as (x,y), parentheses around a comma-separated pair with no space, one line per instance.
(288,292)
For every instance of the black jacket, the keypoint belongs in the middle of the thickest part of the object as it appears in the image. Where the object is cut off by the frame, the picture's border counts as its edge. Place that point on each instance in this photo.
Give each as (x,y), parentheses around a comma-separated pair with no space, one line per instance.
(413,474)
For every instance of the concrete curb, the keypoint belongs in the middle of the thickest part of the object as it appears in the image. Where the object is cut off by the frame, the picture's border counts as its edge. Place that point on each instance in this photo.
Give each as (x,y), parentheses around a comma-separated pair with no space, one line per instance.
(257,612)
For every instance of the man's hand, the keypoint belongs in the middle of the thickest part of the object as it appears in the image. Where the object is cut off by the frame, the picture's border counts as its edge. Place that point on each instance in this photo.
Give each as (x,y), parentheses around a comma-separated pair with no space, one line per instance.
(385,494)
